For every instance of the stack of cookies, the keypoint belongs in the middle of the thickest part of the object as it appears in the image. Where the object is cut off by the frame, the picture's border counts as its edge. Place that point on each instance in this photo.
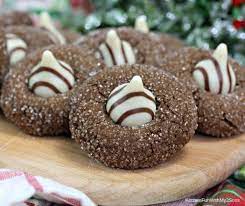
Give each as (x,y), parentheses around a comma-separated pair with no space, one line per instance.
(130,97)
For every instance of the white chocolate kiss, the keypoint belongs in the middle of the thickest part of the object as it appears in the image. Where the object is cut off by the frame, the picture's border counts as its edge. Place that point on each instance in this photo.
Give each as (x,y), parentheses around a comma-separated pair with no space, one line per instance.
(51,76)
(47,23)
(215,74)
(141,24)
(131,104)
(116,51)
(16,48)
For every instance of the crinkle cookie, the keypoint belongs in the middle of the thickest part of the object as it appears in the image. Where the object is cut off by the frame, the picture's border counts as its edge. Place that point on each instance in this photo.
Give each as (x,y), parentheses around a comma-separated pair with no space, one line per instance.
(132,116)
(35,94)
(218,85)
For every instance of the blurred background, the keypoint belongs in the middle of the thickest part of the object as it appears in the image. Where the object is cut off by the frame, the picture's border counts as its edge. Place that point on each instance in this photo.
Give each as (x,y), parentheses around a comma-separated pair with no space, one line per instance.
(201,23)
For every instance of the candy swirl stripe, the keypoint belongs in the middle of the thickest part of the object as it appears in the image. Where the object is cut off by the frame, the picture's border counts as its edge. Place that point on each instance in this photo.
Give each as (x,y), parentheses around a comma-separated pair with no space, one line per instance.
(135,111)
(117,91)
(11,52)
(128,96)
(123,52)
(101,54)
(229,77)
(205,76)
(219,73)
(112,56)
(20,47)
(66,68)
(44,84)
(56,73)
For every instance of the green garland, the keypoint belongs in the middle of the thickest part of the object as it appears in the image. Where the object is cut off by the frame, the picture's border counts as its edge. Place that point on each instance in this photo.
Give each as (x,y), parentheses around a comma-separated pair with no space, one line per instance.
(201,23)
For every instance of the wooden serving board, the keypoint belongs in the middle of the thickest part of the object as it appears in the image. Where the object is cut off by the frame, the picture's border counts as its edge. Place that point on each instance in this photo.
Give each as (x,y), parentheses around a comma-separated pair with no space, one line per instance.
(203,163)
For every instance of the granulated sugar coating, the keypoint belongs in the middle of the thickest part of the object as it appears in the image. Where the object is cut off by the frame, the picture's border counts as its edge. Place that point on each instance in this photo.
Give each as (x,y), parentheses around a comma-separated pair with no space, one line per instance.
(146,47)
(218,115)
(15,18)
(132,147)
(170,42)
(70,35)
(43,116)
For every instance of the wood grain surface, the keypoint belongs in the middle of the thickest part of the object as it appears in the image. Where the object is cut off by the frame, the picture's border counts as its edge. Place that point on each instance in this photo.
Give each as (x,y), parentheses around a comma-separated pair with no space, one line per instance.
(203,163)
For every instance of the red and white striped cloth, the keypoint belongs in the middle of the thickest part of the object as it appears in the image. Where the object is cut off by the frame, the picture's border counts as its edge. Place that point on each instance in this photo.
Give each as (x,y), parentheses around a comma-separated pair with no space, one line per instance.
(21,189)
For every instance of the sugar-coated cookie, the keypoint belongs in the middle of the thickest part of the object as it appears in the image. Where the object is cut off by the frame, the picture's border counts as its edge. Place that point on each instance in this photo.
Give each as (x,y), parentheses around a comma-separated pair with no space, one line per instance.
(35,94)
(218,86)
(132,116)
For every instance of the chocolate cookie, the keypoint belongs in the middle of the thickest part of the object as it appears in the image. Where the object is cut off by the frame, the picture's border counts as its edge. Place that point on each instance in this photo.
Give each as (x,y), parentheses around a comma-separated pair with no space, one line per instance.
(35,94)
(170,42)
(132,116)
(15,18)
(26,39)
(124,45)
(218,86)
(17,42)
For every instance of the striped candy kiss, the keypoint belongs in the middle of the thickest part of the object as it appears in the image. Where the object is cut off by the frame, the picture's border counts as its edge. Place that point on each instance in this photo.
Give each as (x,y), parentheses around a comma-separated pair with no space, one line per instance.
(215,74)
(115,51)
(131,104)
(51,76)
(16,48)
(47,24)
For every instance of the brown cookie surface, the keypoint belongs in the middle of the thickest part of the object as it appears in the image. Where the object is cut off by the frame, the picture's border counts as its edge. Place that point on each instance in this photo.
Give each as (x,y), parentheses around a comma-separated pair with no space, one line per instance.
(4,62)
(146,47)
(70,36)
(15,18)
(127,147)
(170,42)
(37,115)
(218,115)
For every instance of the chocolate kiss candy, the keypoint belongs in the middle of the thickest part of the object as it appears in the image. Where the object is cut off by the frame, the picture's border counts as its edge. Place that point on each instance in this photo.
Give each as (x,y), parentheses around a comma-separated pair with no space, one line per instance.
(131,104)
(141,24)
(16,48)
(47,24)
(51,76)
(115,51)
(215,74)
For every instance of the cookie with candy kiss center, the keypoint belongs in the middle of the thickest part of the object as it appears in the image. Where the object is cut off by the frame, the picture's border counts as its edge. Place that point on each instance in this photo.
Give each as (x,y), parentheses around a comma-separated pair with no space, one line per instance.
(47,23)
(215,74)
(51,76)
(131,104)
(115,51)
